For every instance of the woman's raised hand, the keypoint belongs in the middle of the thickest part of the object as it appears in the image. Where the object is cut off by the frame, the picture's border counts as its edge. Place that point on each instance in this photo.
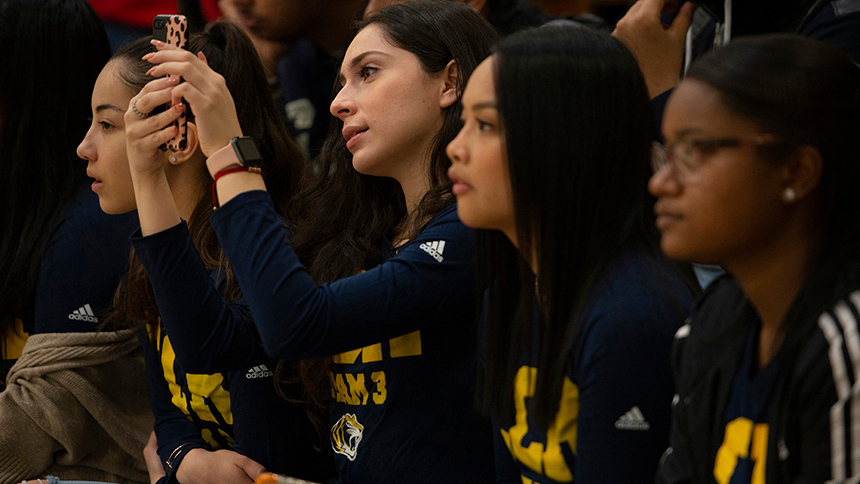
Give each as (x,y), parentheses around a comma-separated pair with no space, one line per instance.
(144,133)
(203,89)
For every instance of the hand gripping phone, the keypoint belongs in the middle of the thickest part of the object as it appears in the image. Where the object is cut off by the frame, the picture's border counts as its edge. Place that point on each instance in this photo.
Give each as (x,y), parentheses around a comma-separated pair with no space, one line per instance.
(713,7)
(173,30)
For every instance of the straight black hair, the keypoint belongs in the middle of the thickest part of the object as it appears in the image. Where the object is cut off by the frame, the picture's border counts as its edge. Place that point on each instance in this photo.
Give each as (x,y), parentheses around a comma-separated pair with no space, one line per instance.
(52,52)
(578,129)
(341,216)
(815,103)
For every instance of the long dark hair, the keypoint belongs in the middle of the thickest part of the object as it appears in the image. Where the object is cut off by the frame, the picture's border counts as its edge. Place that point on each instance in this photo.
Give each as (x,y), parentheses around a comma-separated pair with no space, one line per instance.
(341,215)
(816,103)
(230,53)
(578,129)
(52,52)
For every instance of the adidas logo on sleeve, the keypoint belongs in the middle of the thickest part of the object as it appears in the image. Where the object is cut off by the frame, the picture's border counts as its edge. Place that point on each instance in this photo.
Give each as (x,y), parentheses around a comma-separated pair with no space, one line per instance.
(259,372)
(632,420)
(434,249)
(84,313)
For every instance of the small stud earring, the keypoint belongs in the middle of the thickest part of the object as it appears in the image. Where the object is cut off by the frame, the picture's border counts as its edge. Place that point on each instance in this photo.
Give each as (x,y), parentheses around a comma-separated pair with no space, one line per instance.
(173,159)
(789,195)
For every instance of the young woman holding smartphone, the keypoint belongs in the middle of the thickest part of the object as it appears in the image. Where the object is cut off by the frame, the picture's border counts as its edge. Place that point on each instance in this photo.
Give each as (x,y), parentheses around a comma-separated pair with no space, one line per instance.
(387,289)
(217,415)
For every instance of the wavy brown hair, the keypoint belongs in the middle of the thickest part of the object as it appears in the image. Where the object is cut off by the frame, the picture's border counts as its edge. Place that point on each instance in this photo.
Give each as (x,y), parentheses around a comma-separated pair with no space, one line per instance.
(341,215)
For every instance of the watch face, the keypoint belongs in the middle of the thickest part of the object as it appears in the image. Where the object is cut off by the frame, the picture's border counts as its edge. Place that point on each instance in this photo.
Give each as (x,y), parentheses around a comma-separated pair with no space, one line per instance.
(246,149)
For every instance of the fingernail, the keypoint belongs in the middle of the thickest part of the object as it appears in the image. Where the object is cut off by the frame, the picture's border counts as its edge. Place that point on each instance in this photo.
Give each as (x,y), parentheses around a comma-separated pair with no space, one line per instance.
(147,56)
(178,106)
(155,42)
(173,80)
(149,72)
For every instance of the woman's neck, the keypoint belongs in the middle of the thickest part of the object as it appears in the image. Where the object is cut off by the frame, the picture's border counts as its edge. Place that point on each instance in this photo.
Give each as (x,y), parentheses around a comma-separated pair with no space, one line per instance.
(771,278)
(186,184)
(415,183)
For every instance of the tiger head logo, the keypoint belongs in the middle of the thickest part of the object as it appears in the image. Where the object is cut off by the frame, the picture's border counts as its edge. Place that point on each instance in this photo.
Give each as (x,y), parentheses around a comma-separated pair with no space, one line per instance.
(346,435)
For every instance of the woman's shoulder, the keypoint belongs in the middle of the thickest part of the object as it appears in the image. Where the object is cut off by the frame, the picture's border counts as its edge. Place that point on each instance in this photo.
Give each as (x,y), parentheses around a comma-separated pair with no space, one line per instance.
(84,219)
(445,232)
(84,234)
(638,305)
(639,298)
(638,286)
(835,331)
(446,216)
(723,300)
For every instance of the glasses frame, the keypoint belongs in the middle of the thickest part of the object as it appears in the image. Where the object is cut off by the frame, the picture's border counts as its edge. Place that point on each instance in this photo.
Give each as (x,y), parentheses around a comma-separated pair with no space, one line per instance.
(688,165)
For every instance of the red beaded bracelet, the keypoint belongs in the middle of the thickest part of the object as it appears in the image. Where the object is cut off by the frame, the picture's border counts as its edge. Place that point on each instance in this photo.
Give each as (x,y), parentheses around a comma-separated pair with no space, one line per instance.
(227,171)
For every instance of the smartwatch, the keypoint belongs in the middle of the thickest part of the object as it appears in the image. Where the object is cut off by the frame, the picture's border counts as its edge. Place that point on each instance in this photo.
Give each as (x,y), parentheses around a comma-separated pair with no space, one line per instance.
(246,150)
(242,151)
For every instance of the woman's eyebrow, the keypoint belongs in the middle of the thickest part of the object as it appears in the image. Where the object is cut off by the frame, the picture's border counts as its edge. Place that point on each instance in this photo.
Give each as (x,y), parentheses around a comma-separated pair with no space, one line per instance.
(103,107)
(360,57)
(485,105)
(356,61)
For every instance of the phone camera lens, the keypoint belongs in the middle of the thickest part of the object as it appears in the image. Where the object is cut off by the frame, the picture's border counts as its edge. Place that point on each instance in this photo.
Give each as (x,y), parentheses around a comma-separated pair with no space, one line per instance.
(159,24)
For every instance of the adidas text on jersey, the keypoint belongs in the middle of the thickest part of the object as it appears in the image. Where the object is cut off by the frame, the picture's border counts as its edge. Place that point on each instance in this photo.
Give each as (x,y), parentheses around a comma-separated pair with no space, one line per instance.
(84,313)
(434,249)
(259,372)
(632,420)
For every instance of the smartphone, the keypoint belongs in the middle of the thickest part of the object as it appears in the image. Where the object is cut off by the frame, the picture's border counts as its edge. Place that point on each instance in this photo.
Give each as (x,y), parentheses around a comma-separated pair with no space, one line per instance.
(714,7)
(269,478)
(173,30)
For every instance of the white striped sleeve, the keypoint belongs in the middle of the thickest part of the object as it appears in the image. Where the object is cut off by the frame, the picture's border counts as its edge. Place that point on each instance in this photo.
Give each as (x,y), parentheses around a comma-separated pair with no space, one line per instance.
(843,339)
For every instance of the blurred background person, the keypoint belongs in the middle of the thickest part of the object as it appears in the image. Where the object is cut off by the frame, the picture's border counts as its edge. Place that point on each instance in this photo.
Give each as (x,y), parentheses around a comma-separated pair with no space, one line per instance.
(301,44)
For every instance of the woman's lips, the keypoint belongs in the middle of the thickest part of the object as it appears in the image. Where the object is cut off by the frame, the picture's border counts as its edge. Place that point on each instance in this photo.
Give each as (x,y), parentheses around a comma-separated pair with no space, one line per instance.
(459,187)
(665,220)
(354,139)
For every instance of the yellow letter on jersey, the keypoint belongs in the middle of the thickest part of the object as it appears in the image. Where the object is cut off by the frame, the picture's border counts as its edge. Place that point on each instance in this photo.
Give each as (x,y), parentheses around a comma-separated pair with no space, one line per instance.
(736,445)
(547,460)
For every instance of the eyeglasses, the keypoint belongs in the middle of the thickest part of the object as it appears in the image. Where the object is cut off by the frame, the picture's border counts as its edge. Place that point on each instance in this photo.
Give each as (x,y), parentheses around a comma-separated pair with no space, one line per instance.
(687,152)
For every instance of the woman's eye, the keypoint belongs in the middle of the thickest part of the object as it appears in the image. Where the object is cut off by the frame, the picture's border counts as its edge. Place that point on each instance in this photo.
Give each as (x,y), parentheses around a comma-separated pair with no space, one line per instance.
(484,126)
(705,146)
(105,125)
(367,71)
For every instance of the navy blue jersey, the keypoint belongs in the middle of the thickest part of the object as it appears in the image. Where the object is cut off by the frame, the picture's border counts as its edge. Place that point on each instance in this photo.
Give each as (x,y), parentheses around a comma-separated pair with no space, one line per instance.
(84,260)
(210,379)
(614,415)
(402,337)
(742,457)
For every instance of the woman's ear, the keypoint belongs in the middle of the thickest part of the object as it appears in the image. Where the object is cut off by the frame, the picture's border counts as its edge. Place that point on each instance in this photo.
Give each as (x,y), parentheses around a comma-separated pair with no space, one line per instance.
(802,174)
(449,90)
(179,157)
